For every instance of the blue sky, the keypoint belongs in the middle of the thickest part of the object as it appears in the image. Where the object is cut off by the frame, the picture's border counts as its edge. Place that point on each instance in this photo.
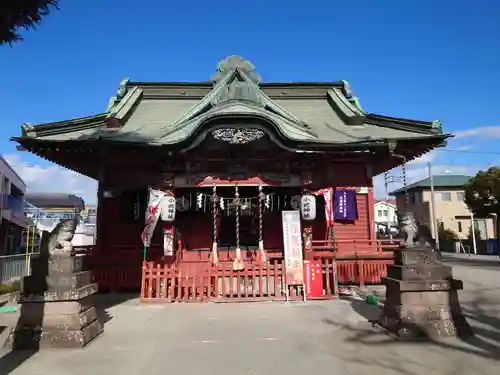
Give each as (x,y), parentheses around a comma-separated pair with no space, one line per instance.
(416,59)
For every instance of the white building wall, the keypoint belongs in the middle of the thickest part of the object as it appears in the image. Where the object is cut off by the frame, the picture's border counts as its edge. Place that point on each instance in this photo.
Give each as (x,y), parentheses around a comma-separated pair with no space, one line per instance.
(7,172)
(9,178)
(385,213)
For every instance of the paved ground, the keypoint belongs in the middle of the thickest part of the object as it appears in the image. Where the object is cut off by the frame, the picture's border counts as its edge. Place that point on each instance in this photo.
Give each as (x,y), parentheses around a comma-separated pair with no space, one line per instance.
(274,338)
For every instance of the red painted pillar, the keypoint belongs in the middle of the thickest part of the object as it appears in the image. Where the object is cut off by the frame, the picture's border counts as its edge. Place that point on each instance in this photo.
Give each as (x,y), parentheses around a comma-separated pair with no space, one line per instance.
(100,242)
(371,208)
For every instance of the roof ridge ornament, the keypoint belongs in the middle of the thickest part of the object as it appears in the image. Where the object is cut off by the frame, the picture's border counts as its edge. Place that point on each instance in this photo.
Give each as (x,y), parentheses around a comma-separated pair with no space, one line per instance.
(242,91)
(120,93)
(348,93)
(233,63)
(436,124)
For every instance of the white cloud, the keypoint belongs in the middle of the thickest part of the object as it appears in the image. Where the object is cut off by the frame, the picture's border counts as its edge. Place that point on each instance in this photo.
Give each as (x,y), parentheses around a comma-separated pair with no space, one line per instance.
(480,132)
(53,179)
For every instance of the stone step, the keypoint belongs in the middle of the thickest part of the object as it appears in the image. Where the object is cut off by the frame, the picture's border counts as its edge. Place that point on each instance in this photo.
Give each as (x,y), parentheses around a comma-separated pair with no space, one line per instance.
(416,256)
(419,272)
(418,313)
(56,264)
(35,316)
(36,284)
(421,285)
(61,295)
(69,281)
(27,338)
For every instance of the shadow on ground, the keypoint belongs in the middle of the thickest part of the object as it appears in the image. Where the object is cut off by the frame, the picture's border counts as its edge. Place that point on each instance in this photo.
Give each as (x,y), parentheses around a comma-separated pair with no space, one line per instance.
(15,358)
(480,314)
(103,302)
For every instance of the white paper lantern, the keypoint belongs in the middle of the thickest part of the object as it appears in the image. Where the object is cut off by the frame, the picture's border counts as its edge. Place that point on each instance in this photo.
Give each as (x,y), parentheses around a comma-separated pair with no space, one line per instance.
(167,206)
(308,207)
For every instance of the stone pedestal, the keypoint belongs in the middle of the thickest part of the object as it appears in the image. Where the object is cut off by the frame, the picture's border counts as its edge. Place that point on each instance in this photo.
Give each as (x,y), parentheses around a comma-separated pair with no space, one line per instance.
(421,297)
(56,306)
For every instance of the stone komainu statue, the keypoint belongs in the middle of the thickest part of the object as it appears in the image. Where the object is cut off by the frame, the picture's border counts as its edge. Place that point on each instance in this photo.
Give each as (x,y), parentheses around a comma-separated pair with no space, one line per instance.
(58,241)
(413,233)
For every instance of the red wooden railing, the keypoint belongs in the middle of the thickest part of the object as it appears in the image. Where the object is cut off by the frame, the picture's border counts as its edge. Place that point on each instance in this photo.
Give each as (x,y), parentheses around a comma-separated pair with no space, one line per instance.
(354,246)
(168,283)
(120,268)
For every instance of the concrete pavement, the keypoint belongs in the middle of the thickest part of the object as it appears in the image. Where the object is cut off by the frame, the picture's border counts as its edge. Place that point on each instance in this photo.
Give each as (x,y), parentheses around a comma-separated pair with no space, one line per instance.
(273,338)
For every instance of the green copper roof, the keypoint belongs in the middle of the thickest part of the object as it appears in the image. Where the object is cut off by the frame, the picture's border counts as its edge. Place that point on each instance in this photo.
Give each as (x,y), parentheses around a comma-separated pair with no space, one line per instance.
(440,181)
(170,113)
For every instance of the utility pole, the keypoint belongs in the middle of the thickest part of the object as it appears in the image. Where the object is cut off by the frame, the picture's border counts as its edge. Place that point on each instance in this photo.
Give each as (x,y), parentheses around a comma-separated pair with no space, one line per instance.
(388,221)
(433,208)
(473,228)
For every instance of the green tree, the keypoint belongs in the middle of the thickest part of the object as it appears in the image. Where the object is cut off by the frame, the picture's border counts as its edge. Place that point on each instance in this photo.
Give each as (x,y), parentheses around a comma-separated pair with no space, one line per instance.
(482,194)
(446,234)
(447,237)
(25,14)
(477,235)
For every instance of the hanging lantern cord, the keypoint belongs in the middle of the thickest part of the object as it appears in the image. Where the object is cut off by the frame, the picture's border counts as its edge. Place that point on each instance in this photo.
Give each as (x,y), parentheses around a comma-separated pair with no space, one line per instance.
(261,202)
(237,202)
(407,198)
(214,212)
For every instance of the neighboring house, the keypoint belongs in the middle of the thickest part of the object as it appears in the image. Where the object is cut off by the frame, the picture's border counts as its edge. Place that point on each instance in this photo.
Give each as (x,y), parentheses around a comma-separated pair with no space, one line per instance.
(56,205)
(385,215)
(89,214)
(47,209)
(450,207)
(12,219)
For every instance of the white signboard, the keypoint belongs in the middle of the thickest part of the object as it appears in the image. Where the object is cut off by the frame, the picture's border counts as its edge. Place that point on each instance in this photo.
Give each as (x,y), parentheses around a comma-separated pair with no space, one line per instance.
(292,244)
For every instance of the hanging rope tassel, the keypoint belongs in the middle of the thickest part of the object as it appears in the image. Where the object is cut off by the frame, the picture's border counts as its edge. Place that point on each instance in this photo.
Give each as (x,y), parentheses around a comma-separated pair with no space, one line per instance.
(238,261)
(215,256)
(262,254)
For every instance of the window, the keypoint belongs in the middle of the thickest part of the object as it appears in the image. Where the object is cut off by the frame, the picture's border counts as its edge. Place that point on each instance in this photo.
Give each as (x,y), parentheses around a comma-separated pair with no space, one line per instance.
(460,196)
(481,227)
(445,196)
(459,227)
(413,198)
(379,213)
(385,213)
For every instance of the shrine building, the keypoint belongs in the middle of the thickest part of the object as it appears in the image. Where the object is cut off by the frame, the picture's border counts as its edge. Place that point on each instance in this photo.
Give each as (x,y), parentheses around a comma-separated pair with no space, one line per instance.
(233,154)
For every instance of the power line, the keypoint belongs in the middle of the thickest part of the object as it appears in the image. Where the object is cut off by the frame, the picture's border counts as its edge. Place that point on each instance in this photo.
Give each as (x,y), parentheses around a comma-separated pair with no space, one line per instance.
(469,151)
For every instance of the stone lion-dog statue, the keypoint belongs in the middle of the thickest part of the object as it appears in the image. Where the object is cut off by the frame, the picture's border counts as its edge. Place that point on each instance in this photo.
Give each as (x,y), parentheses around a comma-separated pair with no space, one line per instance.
(413,233)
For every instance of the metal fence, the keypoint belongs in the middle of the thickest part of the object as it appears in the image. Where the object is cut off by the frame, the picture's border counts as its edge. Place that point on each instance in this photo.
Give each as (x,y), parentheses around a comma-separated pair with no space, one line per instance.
(14,267)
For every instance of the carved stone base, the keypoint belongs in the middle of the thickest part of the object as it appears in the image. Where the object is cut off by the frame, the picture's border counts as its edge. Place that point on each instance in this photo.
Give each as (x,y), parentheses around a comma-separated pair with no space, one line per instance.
(421,297)
(415,310)
(61,324)
(56,306)
(35,338)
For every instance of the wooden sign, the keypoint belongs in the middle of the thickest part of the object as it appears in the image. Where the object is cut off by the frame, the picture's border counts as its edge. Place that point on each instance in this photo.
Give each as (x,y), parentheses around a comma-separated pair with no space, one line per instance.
(292,243)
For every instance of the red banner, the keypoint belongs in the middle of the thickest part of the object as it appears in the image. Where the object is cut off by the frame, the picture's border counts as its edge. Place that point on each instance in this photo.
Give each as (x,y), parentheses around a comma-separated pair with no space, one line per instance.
(327,194)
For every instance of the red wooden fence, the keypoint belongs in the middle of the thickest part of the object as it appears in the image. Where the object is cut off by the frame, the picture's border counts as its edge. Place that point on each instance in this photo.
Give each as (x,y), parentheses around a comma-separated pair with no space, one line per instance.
(263,282)
(121,269)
